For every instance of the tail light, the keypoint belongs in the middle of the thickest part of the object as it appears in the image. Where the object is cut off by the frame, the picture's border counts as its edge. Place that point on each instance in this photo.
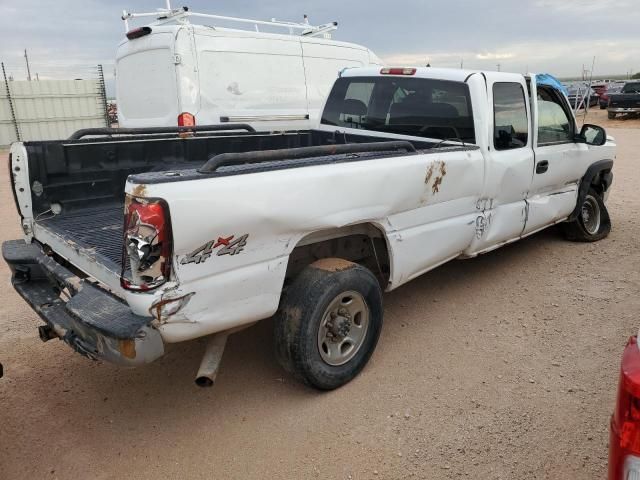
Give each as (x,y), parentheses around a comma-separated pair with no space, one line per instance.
(624,444)
(186,119)
(147,244)
(398,71)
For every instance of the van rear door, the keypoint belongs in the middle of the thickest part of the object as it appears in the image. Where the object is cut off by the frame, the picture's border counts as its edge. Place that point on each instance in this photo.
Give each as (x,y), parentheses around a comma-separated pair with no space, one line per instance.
(147,94)
(323,61)
(251,79)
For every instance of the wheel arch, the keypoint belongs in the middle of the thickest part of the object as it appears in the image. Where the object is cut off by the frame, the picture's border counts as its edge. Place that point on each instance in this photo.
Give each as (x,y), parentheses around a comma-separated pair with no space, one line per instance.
(365,243)
(599,177)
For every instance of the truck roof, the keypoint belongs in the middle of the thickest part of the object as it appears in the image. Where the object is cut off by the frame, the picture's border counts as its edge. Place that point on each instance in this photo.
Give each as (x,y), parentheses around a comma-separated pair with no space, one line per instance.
(452,74)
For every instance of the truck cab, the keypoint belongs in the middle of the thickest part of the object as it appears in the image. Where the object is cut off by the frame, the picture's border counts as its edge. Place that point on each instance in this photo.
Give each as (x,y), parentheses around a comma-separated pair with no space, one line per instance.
(535,153)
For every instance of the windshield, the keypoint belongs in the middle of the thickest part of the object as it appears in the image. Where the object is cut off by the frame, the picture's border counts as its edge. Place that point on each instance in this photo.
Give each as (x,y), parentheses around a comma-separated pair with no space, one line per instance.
(421,107)
(631,88)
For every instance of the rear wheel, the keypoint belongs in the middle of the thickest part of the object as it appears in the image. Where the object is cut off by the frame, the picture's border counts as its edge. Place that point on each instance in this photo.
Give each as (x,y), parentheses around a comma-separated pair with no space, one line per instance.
(592,223)
(328,323)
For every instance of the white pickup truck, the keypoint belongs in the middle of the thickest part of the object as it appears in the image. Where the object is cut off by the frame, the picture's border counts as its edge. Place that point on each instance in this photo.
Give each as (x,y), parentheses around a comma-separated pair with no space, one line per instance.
(408,169)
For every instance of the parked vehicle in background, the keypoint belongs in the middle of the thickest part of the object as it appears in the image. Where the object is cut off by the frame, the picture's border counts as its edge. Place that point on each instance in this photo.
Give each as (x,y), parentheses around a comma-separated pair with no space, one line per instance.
(627,101)
(600,85)
(408,169)
(579,95)
(606,91)
(624,432)
(172,72)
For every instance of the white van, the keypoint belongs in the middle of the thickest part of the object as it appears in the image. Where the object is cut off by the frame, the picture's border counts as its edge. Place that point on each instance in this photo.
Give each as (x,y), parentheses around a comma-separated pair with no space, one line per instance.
(173,72)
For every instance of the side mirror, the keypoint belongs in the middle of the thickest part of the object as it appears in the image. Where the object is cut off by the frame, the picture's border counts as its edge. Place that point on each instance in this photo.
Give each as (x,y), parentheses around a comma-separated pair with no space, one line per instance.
(592,135)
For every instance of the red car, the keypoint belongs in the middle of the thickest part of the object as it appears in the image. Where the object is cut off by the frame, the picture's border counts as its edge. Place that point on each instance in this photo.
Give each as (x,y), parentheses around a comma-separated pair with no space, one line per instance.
(606,91)
(624,436)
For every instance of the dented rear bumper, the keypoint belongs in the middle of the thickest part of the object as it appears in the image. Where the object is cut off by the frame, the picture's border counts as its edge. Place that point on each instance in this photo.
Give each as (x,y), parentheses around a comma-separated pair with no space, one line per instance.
(88,318)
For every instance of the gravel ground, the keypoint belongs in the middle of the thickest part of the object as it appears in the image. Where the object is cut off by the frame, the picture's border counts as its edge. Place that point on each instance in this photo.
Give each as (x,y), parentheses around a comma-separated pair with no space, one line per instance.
(499,367)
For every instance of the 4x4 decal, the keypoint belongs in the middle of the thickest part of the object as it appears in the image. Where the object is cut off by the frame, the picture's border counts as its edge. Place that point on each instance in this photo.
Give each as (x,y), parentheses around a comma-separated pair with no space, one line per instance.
(228,244)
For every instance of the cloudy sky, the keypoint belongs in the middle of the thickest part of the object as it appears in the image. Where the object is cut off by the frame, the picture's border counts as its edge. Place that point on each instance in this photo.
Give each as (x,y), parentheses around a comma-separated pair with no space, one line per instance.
(65,37)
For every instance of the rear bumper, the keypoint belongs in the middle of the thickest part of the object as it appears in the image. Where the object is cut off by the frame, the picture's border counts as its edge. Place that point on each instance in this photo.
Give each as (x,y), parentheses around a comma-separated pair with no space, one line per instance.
(93,322)
(624,109)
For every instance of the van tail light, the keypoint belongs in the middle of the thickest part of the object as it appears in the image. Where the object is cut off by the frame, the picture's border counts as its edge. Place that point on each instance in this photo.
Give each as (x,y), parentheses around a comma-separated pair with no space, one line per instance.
(398,71)
(624,444)
(147,244)
(186,119)
(138,32)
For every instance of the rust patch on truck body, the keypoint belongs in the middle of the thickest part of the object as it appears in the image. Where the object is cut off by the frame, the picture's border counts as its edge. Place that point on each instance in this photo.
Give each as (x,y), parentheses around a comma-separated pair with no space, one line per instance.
(127,348)
(436,171)
(139,190)
(427,178)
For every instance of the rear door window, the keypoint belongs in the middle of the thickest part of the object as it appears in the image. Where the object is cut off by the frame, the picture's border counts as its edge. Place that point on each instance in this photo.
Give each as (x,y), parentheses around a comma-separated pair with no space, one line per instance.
(511,125)
(421,107)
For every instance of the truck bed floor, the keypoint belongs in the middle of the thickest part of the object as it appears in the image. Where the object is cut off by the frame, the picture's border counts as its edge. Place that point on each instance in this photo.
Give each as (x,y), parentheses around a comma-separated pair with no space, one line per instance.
(99,229)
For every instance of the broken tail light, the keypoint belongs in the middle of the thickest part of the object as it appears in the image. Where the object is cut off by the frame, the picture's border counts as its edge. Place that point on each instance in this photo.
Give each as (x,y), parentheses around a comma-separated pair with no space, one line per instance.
(624,444)
(147,244)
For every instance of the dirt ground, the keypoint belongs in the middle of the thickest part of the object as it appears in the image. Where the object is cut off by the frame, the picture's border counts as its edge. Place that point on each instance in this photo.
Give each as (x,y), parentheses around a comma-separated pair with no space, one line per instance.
(500,367)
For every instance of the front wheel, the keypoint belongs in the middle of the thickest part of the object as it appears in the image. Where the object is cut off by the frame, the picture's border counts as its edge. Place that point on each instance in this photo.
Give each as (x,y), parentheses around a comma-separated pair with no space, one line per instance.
(328,323)
(592,223)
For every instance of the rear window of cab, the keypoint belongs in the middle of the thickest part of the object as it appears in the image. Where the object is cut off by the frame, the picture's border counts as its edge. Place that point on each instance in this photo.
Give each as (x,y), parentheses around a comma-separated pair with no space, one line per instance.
(438,109)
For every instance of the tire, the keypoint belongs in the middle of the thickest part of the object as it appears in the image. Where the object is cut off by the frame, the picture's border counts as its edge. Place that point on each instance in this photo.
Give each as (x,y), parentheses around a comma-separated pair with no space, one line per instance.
(329,303)
(591,225)
(611,115)
(602,107)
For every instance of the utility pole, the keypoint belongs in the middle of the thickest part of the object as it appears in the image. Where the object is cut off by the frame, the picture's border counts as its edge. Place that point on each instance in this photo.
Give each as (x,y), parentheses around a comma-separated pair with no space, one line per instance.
(498,65)
(26,59)
(11,106)
(461,63)
(37,77)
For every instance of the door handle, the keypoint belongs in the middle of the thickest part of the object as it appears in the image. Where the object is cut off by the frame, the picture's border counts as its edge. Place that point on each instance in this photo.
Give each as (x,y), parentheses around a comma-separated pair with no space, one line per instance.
(542,166)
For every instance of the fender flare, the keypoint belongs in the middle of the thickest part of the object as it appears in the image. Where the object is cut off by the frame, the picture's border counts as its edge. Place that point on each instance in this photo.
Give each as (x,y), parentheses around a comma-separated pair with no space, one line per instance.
(598,173)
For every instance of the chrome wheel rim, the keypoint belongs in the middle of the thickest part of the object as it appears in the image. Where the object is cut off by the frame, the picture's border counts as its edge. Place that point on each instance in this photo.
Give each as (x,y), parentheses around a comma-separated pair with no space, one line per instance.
(591,215)
(343,328)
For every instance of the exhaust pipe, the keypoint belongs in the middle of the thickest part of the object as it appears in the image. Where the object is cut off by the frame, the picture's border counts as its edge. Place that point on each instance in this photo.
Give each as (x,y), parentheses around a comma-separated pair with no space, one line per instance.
(211,360)
(47,332)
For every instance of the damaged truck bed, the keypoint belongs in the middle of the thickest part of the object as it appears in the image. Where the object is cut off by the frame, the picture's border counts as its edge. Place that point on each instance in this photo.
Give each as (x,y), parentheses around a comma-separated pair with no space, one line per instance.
(138,238)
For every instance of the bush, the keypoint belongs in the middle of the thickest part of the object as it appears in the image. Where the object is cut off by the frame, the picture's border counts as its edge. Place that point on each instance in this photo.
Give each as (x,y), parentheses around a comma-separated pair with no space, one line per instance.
(636,76)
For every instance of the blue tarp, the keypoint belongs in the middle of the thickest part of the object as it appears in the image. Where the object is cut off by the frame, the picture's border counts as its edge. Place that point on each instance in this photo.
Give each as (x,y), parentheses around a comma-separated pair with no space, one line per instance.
(547,79)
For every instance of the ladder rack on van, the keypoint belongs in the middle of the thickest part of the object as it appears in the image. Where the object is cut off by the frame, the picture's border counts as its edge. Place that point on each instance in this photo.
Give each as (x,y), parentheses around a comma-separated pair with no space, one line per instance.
(182,14)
